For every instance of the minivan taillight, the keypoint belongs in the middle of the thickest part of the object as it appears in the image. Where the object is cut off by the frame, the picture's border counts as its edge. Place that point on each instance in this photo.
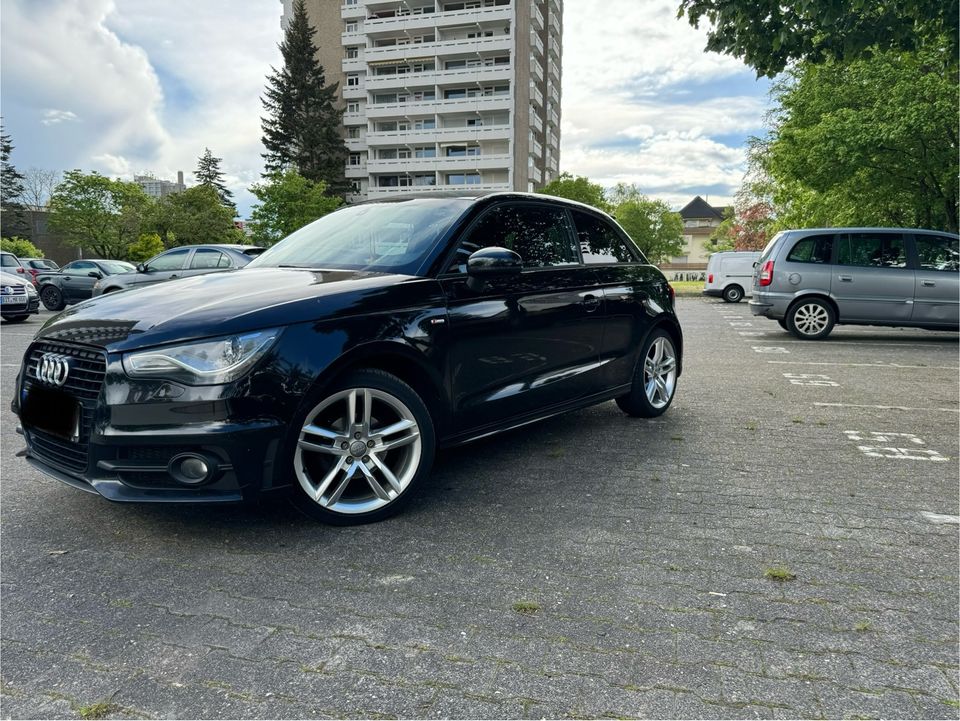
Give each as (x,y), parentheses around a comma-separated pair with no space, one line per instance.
(710,278)
(766,273)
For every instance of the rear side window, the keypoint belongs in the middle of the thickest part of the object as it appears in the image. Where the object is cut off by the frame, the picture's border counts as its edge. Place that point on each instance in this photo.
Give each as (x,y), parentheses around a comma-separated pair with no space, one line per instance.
(872,250)
(540,235)
(209,258)
(600,242)
(812,249)
(938,252)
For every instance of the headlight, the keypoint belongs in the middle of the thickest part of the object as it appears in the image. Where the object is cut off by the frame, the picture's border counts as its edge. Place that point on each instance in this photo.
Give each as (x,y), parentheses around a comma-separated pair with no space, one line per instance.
(204,363)
(96,285)
(31,290)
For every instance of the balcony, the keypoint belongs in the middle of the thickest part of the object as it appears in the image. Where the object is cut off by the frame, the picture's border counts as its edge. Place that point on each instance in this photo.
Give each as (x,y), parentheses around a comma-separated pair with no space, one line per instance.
(443,135)
(459,76)
(465,189)
(486,103)
(355,92)
(354,11)
(536,18)
(535,94)
(355,145)
(407,23)
(441,47)
(354,119)
(356,171)
(536,43)
(441,164)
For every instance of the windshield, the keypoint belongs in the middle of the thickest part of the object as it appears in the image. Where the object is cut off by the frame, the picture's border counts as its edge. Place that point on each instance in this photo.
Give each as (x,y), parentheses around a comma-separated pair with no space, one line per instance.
(385,237)
(116,266)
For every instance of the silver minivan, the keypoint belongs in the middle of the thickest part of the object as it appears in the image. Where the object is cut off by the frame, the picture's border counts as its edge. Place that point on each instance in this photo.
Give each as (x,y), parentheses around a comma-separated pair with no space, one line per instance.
(809,280)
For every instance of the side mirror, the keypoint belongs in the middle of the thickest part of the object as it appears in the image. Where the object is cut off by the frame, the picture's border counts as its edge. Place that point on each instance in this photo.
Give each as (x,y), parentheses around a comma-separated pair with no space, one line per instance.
(493,263)
(141,268)
(95,274)
(756,264)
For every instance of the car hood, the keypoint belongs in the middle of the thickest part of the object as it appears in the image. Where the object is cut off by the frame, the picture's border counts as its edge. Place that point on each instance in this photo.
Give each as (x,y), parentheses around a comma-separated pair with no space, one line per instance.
(223,303)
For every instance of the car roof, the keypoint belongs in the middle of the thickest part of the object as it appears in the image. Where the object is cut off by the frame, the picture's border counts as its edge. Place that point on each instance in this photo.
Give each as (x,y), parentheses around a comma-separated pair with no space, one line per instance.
(229,246)
(484,196)
(865,229)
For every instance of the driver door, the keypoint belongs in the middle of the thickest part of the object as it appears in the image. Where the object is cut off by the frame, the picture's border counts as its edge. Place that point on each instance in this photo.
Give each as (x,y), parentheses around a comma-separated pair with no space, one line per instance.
(76,284)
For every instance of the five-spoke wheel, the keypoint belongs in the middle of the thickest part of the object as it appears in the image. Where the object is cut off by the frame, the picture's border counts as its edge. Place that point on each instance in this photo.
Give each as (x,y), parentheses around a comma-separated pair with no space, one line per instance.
(362,447)
(655,380)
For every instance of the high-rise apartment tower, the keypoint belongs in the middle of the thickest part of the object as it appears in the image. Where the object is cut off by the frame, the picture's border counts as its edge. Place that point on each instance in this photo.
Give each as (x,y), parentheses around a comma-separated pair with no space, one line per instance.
(442,95)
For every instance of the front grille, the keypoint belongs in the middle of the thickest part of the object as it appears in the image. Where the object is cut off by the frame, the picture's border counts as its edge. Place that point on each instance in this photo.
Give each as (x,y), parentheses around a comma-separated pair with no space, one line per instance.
(16,290)
(84,381)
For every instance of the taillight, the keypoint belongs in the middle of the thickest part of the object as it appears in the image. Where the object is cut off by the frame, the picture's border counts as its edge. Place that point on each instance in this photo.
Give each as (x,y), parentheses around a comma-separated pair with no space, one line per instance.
(710,278)
(766,273)
(21,270)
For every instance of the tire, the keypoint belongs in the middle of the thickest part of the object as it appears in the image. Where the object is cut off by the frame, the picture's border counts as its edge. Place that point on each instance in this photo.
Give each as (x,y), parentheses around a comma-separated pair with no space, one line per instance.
(654,380)
(363,482)
(733,294)
(52,298)
(810,319)
(782,322)
(16,318)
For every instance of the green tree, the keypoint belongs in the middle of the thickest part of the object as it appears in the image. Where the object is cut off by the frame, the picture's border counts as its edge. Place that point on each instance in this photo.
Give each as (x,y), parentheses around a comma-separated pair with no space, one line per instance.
(721,239)
(872,142)
(657,230)
(579,188)
(11,190)
(302,128)
(288,201)
(208,173)
(192,216)
(20,247)
(145,247)
(94,212)
(768,34)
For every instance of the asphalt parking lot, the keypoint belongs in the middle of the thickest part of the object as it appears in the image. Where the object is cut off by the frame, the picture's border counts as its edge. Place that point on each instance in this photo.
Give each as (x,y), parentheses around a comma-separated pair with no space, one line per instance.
(783,543)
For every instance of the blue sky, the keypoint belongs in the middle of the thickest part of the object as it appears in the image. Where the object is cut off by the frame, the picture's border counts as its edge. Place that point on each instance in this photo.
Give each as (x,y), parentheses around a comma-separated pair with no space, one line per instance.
(128,86)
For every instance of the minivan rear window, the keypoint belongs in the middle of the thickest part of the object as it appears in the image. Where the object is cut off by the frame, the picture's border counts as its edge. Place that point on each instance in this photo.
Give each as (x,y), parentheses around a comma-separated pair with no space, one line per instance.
(812,249)
(872,250)
(768,248)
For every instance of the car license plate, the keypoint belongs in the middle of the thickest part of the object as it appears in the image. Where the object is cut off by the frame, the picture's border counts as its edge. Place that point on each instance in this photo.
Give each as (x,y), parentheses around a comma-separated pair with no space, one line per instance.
(13,299)
(52,411)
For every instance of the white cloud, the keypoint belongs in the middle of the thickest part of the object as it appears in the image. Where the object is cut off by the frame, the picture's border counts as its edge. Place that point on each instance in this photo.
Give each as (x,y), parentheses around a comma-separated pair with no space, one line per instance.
(52,117)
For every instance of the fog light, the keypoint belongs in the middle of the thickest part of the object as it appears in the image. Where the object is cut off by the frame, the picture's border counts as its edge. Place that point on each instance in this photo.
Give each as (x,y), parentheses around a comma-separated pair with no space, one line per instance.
(189,469)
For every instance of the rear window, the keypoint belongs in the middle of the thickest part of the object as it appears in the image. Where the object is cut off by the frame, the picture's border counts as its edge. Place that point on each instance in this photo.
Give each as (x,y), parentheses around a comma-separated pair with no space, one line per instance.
(768,248)
(600,242)
(812,249)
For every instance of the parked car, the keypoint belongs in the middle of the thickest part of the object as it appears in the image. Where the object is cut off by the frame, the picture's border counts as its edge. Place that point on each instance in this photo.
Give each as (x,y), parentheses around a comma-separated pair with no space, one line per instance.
(810,280)
(730,275)
(183,262)
(9,263)
(74,281)
(36,266)
(337,362)
(18,297)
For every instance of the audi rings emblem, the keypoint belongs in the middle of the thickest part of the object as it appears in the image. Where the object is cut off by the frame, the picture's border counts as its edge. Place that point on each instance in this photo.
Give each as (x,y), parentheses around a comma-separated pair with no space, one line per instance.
(53,369)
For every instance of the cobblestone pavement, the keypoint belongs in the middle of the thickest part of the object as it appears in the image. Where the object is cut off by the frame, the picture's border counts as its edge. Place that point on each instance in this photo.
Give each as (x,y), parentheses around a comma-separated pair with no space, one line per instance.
(778,545)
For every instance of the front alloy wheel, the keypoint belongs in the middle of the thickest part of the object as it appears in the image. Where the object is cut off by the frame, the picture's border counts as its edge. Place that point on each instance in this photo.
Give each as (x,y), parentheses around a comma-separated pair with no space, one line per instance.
(362,448)
(810,319)
(655,380)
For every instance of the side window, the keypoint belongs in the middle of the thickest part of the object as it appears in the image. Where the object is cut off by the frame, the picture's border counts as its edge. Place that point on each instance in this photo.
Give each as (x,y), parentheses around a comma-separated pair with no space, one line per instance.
(209,258)
(938,252)
(812,249)
(872,250)
(172,260)
(80,267)
(538,233)
(600,242)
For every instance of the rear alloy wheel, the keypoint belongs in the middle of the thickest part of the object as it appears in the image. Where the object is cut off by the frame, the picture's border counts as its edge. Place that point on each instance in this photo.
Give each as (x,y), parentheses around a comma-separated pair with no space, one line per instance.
(361,449)
(52,298)
(733,294)
(810,319)
(655,379)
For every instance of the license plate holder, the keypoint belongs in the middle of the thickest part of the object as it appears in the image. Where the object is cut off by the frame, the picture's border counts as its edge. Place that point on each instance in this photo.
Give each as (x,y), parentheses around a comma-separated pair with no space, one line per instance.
(13,299)
(52,411)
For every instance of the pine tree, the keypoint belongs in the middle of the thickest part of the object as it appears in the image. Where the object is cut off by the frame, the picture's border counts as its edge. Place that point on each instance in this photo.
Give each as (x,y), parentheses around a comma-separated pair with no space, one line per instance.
(208,173)
(11,188)
(302,130)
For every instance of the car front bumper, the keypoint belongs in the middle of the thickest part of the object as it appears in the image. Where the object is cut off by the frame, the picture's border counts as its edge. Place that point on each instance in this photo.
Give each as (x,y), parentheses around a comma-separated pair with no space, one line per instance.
(13,310)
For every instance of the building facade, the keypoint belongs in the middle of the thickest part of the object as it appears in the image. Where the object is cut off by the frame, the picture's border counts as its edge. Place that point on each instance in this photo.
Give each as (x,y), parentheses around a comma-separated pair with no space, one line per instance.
(156,188)
(444,95)
(700,219)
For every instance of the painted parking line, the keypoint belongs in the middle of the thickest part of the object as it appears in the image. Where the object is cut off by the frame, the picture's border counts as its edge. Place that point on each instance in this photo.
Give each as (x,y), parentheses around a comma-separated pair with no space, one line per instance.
(769,349)
(866,365)
(907,452)
(858,343)
(883,408)
(940,518)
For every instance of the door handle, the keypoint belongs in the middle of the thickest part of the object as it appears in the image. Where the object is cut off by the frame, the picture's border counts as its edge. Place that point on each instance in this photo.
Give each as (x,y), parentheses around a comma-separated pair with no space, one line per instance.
(590,302)
(928,284)
(846,278)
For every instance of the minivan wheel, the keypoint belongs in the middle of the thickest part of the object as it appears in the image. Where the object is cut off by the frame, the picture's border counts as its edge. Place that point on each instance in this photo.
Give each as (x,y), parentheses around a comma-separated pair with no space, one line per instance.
(810,319)
(52,298)
(733,294)
(654,380)
(361,449)
(783,323)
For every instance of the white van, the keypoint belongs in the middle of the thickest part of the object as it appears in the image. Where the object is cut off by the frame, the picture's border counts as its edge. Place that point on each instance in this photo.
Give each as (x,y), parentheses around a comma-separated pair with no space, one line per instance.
(730,274)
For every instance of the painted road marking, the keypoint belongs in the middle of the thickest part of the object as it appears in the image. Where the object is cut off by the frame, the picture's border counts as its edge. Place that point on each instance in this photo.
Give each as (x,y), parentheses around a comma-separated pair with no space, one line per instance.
(884,408)
(858,343)
(866,365)
(939,518)
(741,324)
(769,349)
(752,332)
(911,453)
(810,379)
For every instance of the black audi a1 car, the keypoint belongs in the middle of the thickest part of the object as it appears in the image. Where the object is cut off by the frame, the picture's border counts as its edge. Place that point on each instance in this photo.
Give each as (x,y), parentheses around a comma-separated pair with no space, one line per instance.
(336,363)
